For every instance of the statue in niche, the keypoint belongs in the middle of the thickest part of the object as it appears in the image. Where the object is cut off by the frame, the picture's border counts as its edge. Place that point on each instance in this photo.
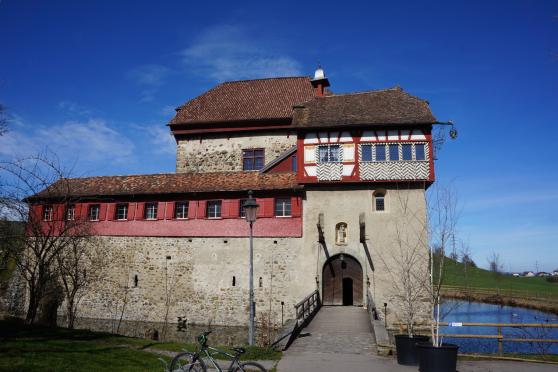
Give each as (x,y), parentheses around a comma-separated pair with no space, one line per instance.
(341,233)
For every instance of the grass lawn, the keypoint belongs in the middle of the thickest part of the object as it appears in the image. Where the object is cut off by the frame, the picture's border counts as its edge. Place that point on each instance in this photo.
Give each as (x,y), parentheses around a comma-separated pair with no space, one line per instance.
(59,349)
(456,274)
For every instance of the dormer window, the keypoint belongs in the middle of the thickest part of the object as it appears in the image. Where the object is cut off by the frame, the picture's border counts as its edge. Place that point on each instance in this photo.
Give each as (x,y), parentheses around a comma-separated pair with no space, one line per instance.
(252,159)
(329,154)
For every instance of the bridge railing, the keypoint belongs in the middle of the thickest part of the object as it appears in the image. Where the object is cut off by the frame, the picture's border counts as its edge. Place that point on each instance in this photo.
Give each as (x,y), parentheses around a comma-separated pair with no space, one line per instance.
(305,310)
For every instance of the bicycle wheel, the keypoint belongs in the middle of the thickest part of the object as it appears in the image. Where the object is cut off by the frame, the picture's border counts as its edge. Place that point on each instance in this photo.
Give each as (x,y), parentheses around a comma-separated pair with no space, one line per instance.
(250,367)
(187,362)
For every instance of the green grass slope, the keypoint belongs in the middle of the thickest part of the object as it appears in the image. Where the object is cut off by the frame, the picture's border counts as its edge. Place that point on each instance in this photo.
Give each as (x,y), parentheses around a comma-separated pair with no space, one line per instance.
(458,275)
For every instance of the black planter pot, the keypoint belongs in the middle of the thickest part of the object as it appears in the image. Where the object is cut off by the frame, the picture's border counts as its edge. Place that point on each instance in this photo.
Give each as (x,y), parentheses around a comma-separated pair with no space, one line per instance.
(437,359)
(407,353)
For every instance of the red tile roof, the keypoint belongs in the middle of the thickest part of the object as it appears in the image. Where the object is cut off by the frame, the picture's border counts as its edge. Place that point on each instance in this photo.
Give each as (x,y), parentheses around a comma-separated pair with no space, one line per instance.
(262,99)
(376,107)
(171,183)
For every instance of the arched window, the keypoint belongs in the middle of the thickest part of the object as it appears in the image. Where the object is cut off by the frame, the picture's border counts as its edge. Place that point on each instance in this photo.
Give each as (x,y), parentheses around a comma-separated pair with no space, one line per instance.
(379,201)
(341,233)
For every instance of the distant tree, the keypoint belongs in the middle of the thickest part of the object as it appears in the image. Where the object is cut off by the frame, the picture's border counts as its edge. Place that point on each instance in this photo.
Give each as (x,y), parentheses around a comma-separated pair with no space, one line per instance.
(495,263)
(467,260)
(454,256)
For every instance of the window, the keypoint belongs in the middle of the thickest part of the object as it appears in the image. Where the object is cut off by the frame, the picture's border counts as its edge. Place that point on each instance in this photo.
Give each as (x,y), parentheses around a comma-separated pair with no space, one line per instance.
(366,152)
(294,164)
(393,152)
(282,207)
(252,159)
(150,212)
(407,151)
(379,201)
(242,210)
(94,212)
(213,209)
(47,213)
(380,152)
(121,212)
(329,154)
(419,152)
(181,210)
(71,212)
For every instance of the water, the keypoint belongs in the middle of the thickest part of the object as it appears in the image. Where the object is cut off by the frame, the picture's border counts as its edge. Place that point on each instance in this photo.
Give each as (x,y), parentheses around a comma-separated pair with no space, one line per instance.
(474,312)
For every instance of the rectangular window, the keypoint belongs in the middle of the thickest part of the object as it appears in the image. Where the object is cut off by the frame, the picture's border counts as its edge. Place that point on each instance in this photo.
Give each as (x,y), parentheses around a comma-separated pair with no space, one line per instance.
(393,152)
(242,210)
(94,212)
(150,212)
(121,212)
(380,202)
(282,207)
(252,159)
(380,152)
(213,209)
(419,152)
(407,151)
(47,213)
(294,164)
(366,152)
(181,210)
(329,154)
(71,212)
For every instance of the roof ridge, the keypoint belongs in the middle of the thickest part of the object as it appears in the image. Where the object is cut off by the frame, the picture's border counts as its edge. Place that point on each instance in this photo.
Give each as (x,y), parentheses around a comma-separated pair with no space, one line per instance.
(268,78)
(168,174)
(395,88)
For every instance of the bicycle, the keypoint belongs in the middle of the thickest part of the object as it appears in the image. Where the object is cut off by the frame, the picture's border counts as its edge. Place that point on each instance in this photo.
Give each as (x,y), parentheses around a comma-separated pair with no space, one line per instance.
(193,362)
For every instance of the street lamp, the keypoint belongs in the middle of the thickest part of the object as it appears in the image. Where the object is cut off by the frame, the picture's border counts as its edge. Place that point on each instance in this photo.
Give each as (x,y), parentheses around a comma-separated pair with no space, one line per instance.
(251,209)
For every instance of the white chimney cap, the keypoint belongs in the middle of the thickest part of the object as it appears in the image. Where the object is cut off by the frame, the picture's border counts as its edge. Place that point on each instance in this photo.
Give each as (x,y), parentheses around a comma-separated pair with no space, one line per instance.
(319,73)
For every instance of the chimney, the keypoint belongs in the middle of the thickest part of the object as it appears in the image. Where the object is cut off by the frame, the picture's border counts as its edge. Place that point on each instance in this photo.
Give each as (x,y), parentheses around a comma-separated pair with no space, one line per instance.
(320,82)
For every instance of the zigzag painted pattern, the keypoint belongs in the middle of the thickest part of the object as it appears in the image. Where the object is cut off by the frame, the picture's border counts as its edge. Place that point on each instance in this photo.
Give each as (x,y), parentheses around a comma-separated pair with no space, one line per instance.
(329,171)
(401,170)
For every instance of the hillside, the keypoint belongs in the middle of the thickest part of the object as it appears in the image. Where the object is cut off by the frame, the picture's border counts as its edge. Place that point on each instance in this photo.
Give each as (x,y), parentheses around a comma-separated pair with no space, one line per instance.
(456,274)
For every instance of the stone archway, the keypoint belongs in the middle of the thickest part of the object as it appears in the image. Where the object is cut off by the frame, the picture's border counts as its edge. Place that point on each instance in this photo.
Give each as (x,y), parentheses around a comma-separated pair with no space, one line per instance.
(342,281)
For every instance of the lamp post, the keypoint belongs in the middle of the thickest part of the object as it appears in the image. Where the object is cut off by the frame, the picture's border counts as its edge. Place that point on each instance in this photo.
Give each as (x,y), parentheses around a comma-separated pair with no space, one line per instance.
(251,209)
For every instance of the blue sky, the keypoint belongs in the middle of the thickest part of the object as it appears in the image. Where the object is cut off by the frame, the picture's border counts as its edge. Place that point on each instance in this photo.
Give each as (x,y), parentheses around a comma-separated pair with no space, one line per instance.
(97,81)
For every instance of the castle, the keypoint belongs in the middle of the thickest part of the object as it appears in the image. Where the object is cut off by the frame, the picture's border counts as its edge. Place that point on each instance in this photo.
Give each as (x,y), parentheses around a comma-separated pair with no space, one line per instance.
(340,181)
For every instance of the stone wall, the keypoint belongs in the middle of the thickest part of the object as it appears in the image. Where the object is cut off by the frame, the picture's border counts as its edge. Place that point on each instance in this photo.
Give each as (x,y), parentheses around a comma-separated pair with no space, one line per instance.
(390,237)
(192,278)
(218,153)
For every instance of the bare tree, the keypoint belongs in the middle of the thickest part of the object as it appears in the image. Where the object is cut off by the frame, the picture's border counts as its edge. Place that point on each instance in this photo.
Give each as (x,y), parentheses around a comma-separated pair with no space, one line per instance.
(79,267)
(442,221)
(25,185)
(494,263)
(407,264)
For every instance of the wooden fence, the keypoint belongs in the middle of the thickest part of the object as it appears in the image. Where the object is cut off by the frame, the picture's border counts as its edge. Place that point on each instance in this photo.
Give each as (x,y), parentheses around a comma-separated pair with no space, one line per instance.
(505,292)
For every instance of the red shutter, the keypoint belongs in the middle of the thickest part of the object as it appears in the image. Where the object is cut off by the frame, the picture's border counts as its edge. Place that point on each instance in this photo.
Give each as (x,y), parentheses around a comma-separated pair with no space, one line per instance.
(84,211)
(296,206)
(77,211)
(106,211)
(201,209)
(226,208)
(139,211)
(36,213)
(58,212)
(131,210)
(261,207)
(234,208)
(192,209)
(170,210)
(269,207)
(161,210)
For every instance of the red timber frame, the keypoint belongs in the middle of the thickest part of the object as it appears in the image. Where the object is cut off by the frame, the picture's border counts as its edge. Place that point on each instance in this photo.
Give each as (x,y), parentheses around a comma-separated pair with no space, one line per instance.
(356,134)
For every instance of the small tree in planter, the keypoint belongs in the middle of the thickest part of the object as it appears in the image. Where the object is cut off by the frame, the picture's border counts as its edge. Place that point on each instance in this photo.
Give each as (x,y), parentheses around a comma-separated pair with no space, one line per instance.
(408,273)
(437,356)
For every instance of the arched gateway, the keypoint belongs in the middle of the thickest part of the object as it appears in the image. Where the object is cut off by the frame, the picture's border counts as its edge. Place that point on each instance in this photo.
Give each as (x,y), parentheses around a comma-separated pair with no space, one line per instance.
(342,281)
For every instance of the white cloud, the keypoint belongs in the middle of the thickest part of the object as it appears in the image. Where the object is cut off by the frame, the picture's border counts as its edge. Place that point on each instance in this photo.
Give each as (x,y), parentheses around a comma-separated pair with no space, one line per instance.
(162,139)
(92,142)
(168,110)
(225,52)
(149,75)
(73,108)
